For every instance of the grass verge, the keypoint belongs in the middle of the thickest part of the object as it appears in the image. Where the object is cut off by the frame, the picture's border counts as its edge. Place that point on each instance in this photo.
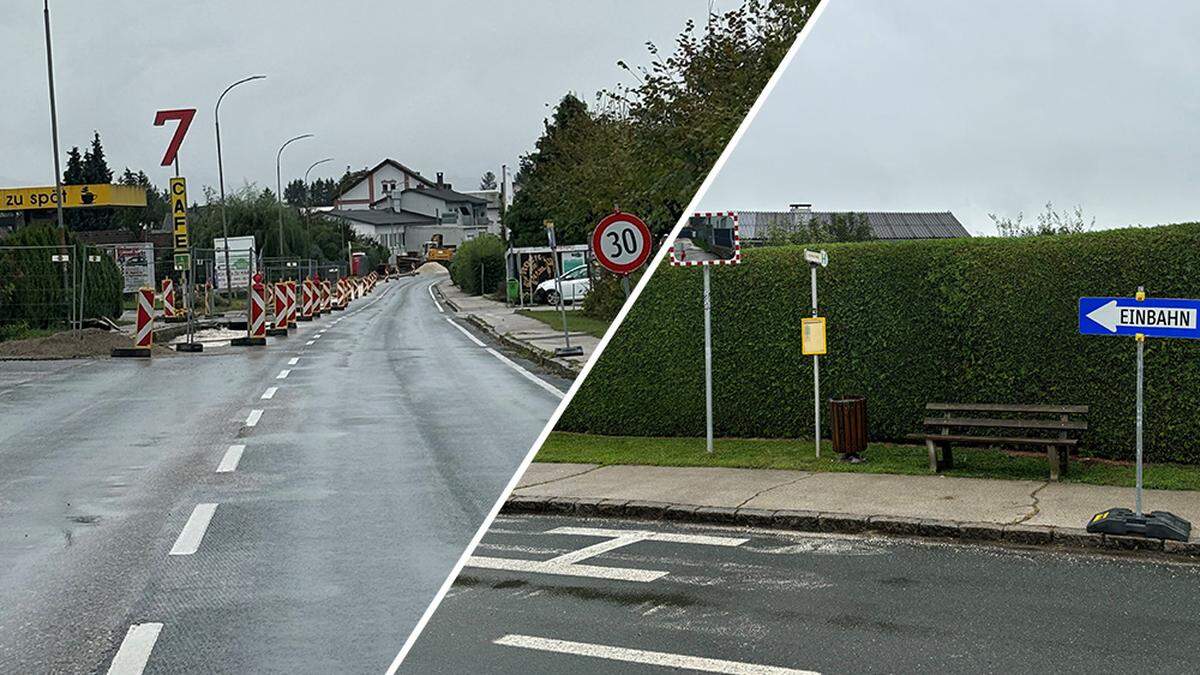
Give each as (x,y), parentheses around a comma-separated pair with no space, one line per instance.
(881,458)
(575,320)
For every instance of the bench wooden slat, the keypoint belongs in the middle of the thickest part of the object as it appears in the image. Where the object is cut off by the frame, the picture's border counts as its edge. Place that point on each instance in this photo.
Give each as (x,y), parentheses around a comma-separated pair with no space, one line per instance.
(993,440)
(1013,408)
(1057,425)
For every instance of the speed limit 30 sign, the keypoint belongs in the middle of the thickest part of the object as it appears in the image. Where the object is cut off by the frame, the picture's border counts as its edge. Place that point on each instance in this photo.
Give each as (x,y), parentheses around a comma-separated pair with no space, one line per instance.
(621,242)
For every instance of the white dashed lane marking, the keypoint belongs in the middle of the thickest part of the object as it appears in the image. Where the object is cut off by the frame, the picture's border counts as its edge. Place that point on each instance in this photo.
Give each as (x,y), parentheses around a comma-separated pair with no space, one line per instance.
(283,374)
(230,461)
(270,393)
(254,417)
(294,360)
(134,652)
(193,532)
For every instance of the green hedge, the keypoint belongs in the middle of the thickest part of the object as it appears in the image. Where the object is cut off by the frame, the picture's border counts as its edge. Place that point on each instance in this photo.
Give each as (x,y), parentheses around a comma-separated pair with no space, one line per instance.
(32,288)
(979,320)
(485,254)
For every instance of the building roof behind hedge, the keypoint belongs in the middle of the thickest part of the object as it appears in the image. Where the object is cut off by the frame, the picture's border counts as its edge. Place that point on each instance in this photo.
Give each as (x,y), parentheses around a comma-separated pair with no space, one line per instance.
(884,224)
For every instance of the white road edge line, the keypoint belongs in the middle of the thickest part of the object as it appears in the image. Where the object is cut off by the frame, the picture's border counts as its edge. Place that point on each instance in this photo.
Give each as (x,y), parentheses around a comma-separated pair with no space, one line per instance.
(134,652)
(230,461)
(645,657)
(254,417)
(294,360)
(464,331)
(283,374)
(692,206)
(193,531)
(435,300)
(528,375)
(269,393)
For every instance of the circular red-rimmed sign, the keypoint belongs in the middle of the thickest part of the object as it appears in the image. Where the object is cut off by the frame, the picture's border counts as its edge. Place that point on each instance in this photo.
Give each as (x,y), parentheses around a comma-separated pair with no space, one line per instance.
(621,242)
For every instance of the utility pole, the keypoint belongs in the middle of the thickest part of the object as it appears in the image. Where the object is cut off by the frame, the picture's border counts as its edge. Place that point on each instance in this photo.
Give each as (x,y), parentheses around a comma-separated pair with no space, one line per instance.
(58,189)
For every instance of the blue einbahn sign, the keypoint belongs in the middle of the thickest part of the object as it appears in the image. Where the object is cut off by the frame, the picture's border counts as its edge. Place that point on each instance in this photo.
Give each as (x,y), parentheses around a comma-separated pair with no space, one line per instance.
(1152,317)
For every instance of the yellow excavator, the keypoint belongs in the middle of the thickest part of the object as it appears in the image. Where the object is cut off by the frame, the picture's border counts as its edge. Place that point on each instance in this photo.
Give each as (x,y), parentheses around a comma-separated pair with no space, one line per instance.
(435,249)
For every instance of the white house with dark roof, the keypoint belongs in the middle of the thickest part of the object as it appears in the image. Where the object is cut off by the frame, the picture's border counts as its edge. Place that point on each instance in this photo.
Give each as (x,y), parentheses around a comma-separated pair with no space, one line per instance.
(403,210)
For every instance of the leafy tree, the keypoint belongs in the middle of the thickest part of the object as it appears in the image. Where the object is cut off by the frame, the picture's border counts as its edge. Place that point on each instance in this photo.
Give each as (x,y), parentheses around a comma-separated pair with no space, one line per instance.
(322,192)
(645,148)
(479,259)
(488,181)
(138,220)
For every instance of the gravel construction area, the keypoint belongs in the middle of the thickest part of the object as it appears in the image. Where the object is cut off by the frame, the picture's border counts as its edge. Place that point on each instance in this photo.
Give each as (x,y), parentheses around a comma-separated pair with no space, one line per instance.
(432,268)
(90,343)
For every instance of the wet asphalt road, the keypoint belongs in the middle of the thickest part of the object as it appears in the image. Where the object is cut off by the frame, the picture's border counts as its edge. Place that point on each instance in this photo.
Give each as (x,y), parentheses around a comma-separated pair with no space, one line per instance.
(372,465)
(829,604)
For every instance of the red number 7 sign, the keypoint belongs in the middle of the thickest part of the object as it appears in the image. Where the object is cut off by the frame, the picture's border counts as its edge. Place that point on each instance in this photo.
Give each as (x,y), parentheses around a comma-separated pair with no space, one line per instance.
(184,116)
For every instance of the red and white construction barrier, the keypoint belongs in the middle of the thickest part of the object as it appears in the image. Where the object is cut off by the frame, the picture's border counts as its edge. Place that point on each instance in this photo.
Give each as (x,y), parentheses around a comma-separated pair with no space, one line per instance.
(168,298)
(306,299)
(326,298)
(256,319)
(281,305)
(143,336)
(292,309)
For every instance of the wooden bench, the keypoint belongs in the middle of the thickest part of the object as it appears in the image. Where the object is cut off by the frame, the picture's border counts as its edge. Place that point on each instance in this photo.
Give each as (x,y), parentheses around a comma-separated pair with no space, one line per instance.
(1050,426)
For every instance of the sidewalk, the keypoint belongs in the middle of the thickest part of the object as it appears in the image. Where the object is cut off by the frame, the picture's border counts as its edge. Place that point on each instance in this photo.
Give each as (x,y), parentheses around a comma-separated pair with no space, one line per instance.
(1025,512)
(522,332)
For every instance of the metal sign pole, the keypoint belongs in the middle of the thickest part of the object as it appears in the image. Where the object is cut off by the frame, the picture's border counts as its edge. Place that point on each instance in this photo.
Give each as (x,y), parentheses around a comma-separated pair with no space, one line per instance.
(1141,343)
(816,372)
(708,401)
(625,285)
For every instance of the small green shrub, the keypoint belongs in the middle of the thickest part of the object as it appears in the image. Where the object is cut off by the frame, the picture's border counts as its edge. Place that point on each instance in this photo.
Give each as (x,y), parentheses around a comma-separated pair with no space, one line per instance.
(485,254)
(964,320)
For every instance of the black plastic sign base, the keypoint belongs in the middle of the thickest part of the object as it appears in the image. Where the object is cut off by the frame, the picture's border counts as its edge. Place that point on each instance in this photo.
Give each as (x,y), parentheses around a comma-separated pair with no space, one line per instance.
(248,342)
(277,332)
(178,318)
(189,347)
(131,353)
(1154,525)
(304,318)
(569,351)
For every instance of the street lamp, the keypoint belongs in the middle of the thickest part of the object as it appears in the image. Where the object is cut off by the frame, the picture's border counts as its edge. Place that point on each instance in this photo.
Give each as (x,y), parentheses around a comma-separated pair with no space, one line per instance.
(279,185)
(310,168)
(221,182)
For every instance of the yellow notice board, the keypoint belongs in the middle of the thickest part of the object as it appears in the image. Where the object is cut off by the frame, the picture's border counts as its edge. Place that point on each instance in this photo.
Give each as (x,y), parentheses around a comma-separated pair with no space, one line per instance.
(75,196)
(812,339)
(179,213)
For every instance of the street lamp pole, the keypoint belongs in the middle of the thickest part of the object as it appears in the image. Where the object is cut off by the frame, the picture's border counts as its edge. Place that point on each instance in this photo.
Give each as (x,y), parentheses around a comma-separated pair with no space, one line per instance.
(221,182)
(279,183)
(306,171)
(58,190)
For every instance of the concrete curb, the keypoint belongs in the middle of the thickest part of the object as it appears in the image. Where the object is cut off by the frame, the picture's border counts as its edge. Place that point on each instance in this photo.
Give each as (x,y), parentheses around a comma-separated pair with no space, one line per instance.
(534,354)
(816,521)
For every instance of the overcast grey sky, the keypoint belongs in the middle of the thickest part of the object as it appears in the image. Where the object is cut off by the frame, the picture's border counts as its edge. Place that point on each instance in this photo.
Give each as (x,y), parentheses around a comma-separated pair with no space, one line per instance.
(458,87)
(989,106)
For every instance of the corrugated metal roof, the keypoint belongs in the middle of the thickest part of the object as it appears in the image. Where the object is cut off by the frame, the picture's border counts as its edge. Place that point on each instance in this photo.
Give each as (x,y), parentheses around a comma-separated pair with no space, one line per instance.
(884,224)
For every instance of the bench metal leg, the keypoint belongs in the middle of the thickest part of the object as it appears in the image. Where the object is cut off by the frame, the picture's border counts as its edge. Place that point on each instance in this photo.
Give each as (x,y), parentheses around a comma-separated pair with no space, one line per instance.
(1053,458)
(1064,456)
(947,459)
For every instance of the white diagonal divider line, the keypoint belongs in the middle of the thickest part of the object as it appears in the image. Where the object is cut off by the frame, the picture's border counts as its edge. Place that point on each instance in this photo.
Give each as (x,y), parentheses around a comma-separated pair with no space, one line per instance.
(230,461)
(645,657)
(193,531)
(464,331)
(596,549)
(572,570)
(253,418)
(134,652)
(567,564)
(525,373)
(269,393)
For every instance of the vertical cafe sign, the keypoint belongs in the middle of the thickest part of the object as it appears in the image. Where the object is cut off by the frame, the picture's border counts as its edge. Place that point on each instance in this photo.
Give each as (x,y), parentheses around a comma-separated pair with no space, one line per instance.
(179,219)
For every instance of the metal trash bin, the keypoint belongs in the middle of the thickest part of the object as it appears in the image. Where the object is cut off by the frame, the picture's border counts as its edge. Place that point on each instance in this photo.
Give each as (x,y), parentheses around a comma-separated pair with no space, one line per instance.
(848,426)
